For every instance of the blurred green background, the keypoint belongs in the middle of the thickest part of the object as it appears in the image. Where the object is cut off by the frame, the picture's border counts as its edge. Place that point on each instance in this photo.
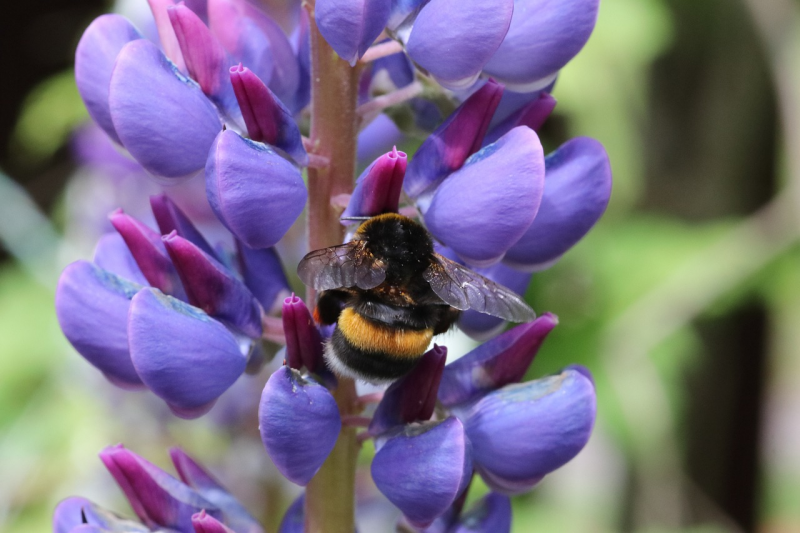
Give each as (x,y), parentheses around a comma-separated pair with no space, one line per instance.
(684,301)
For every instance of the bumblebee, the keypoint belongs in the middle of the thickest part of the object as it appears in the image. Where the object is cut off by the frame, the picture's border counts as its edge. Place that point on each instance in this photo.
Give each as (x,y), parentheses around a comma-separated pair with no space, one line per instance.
(390,293)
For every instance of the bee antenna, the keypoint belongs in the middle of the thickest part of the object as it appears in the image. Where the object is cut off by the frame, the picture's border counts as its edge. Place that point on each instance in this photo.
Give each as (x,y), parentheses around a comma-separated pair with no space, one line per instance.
(359,219)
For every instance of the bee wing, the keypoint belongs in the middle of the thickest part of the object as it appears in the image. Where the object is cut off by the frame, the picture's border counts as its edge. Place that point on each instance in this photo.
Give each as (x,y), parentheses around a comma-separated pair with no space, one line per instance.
(464,289)
(346,265)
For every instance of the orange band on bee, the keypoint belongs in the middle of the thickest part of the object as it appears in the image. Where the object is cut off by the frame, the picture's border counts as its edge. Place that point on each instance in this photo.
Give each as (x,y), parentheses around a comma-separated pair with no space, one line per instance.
(371,337)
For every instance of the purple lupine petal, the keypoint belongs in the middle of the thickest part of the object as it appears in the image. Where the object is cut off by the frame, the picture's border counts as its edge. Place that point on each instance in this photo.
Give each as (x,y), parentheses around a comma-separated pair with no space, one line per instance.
(92,309)
(233,513)
(156,497)
(423,469)
(256,40)
(490,513)
(163,119)
(544,35)
(301,39)
(399,68)
(412,398)
(213,288)
(481,326)
(299,423)
(69,514)
(205,523)
(267,119)
(170,217)
(495,363)
(533,114)
(522,432)
(76,514)
(577,189)
(378,188)
(402,11)
(147,249)
(294,519)
(303,340)
(206,59)
(112,254)
(263,274)
(501,188)
(184,356)
(460,136)
(166,34)
(376,138)
(254,192)
(94,61)
(453,39)
(351,26)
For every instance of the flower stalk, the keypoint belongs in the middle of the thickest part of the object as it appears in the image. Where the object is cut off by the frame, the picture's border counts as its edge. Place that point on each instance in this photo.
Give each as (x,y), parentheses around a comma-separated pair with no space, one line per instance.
(330,496)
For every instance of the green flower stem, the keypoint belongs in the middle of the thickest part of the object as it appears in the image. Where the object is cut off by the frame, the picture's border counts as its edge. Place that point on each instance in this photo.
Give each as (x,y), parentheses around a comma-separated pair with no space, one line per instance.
(330,496)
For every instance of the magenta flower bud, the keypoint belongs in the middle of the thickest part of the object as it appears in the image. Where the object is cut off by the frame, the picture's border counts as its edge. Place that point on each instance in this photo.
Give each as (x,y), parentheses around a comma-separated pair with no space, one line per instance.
(501,188)
(213,288)
(376,137)
(378,188)
(577,188)
(255,192)
(254,39)
(205,523)
(263,274)
(454,39)
(424,468)
(523,432)
(504,359)
(411,398)
(267,119)
(156,497)
(147,249)
(299,423)
(184,356)
(460,136)
(294,519)
(168,135)
(303,340)
(112,254)
(533,114)
(232,512)
(206,59)
(94,62)
(490,513)
(169,218)
(351,26)
(166,34)
(481,326)
(542,38)
(92,309)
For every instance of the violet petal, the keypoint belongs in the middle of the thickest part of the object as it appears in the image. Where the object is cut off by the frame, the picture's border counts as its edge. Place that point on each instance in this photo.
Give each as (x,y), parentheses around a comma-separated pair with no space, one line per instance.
(544,35)
(303,340)
(490,513)
(170,217)
(254,192)
(166,34)
(213,288)
(157,498)
(378,188)
(112,254)
(263,274)
(533,114)
(299,423)
(184,356)
(94,62)
(351,26)
(460,136)
(411,398)
(294,519)
(422,469)
(577,188)
(454,39)
(376,138)
(522,432)
(501,187)
(92,309)
(495,363)
(169,135)
(267,119)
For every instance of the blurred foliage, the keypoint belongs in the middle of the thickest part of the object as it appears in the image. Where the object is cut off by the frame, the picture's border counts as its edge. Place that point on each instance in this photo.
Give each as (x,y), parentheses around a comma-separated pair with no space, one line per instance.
(56,413)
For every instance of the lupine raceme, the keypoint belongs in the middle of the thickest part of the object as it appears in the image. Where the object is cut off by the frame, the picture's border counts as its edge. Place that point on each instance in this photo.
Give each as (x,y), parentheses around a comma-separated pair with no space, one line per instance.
(274,108)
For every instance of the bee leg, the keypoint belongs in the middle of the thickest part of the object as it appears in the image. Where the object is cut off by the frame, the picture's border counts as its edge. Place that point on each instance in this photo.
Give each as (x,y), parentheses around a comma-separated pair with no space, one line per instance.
(447,317)
(330,305)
